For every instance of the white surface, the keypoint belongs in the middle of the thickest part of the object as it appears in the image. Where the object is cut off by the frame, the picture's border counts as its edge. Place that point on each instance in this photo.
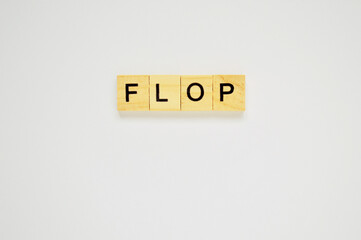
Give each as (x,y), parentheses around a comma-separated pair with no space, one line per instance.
(72,167)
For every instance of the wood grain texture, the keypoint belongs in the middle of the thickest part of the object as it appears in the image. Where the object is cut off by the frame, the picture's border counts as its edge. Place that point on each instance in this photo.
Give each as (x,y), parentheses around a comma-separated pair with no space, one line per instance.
(138,101)
(205,103)
(169,88)
(231,102)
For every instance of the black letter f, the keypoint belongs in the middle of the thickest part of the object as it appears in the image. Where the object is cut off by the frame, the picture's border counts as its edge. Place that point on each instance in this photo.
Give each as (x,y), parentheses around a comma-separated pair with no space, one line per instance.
(127,92)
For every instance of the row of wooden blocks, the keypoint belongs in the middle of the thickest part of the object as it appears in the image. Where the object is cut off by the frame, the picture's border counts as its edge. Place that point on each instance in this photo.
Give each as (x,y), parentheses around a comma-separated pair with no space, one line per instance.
(181,93)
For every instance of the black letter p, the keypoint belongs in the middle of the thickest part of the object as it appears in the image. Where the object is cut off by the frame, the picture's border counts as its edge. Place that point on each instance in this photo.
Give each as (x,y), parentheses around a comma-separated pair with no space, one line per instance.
(223,92)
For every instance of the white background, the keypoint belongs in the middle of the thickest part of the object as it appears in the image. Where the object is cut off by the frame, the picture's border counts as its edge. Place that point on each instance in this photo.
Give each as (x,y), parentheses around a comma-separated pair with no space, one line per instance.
(72,167)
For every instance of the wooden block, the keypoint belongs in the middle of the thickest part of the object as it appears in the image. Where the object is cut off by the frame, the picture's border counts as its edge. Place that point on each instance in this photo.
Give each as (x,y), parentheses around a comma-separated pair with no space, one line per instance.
(196,92)
(164,92)
(133,92)
(229,92)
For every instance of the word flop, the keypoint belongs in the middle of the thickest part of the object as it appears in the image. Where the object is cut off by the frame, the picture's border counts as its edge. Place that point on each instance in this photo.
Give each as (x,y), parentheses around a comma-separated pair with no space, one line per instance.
(181,93)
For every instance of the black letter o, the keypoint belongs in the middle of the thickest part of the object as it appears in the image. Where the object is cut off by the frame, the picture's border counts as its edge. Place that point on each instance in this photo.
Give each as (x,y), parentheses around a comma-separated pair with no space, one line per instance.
(189,92)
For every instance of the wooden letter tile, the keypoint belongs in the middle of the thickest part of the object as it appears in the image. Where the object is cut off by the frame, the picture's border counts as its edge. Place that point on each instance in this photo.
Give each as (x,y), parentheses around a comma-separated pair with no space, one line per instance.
(196,93)
(133,92)
(164,92)
(229,92)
